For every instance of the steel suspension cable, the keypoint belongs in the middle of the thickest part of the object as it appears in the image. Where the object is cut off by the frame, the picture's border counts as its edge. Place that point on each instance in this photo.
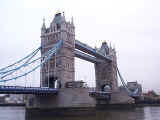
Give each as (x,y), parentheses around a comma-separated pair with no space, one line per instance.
(122,80)
(42,63)
(12,70)
(26,64)
(20,60)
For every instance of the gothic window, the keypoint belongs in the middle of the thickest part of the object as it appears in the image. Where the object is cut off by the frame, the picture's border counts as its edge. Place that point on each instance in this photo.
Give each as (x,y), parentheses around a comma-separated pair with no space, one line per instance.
(67,66)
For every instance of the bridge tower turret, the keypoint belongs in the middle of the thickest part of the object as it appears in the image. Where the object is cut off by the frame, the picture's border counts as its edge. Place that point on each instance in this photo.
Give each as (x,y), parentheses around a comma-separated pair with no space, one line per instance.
(106,71)
(60,67)
(43,28)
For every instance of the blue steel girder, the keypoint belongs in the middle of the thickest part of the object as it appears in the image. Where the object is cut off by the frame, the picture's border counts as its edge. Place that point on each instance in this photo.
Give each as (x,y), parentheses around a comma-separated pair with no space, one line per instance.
(87,49)
(86,57)
(27,90)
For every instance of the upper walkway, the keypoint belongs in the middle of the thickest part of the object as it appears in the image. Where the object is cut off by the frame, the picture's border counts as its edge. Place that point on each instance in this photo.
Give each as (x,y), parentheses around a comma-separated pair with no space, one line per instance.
(89,50)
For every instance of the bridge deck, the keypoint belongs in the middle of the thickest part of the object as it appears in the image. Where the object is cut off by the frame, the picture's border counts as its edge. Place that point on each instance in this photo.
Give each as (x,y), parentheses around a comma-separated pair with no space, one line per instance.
(27,90)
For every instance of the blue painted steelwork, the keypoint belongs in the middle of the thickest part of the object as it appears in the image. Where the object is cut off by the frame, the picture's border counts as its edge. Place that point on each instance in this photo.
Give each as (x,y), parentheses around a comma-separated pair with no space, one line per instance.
(123,82)
(53,50)
(26,64)
(130,93)
(27,90)
(11,71)
(86,57)
(2,69)
(87,49)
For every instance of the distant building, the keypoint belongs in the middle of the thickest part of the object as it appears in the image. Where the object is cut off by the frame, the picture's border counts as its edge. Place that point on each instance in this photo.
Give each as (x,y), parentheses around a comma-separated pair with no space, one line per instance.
(151,97)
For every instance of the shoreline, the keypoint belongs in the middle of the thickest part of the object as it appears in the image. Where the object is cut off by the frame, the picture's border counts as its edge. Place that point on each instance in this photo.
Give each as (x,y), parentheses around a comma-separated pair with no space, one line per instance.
(80,111)
(97,107)
(147,105)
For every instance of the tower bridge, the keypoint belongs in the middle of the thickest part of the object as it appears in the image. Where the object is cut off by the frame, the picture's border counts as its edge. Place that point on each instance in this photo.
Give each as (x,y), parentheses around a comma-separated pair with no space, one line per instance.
(57,70)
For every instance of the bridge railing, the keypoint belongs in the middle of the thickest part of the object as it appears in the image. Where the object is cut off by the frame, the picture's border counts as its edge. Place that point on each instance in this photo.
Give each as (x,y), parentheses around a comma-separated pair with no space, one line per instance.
(26,90)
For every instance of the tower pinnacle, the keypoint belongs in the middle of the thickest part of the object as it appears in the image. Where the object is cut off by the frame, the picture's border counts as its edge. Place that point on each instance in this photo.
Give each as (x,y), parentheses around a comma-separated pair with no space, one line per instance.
(72,20)
(43,28)
(43,25)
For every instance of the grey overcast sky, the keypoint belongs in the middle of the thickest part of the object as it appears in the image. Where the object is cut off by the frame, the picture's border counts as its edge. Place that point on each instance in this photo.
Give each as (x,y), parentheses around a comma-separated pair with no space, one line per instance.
(133,26)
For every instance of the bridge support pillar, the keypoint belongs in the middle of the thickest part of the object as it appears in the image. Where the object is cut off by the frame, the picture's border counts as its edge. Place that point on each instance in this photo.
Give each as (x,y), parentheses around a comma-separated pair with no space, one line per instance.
(66,98)
(106,71)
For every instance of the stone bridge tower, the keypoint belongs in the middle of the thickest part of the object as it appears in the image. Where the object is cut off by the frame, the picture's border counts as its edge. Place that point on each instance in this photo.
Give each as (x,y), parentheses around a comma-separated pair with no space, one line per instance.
(106,71)
(60,67)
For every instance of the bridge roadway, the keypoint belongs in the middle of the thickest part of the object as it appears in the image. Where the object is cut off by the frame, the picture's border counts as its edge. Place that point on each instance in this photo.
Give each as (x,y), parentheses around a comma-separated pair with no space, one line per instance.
(27,90)
(47,91)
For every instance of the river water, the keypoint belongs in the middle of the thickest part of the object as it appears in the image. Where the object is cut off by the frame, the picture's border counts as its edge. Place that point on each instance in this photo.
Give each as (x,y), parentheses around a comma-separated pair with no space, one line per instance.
(141,113)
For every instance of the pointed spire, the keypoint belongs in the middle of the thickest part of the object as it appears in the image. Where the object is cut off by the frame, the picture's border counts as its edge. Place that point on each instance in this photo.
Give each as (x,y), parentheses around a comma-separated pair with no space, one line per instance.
(43,28)
(43,25)
(72,20)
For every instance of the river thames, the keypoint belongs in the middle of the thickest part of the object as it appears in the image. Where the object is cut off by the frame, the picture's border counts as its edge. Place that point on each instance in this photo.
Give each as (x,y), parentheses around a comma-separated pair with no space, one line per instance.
(140,113)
